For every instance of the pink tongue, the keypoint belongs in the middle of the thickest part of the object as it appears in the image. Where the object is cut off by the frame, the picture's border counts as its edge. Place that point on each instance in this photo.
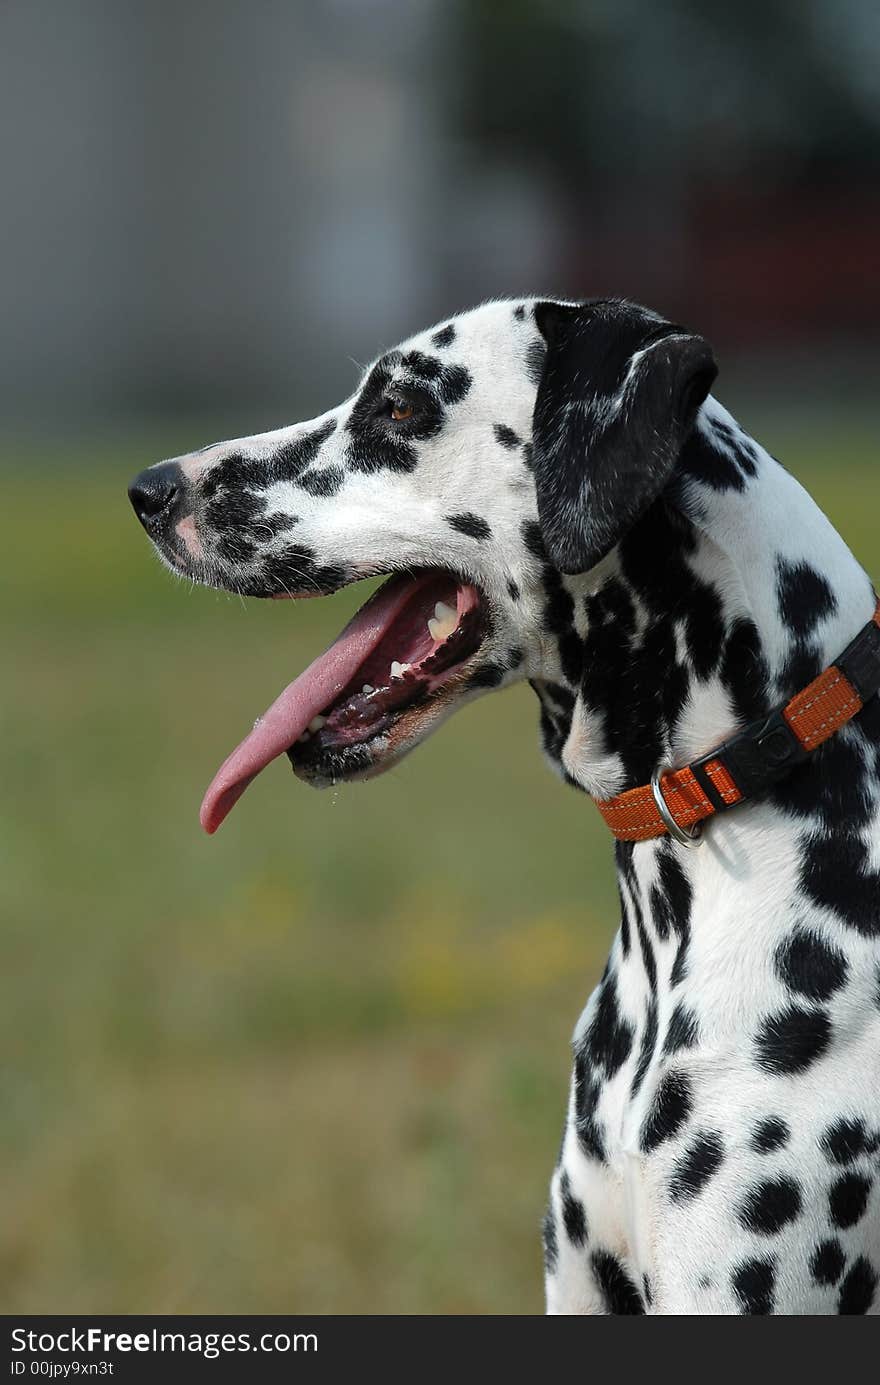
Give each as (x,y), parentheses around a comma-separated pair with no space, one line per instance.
(303,699)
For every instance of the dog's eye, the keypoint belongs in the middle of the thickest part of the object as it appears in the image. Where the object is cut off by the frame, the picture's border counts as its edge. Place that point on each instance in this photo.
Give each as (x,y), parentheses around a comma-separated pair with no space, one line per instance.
(396,406)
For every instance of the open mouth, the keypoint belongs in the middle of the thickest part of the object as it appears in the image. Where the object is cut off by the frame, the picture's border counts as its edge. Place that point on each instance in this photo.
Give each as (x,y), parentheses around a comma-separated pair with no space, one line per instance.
(402,652)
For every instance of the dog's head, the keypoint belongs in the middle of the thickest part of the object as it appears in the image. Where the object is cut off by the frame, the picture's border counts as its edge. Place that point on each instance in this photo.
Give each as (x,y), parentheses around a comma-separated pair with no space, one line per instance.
(473,465)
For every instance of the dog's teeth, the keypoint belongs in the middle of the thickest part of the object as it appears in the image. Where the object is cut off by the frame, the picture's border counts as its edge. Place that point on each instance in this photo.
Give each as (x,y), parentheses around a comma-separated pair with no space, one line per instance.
(316,723)
(303,737)
(367,689)
(398,670)
(442,623)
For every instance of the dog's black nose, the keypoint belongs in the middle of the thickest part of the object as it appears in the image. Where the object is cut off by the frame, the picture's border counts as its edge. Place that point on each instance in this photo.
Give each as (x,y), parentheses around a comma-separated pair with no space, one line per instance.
(155,493)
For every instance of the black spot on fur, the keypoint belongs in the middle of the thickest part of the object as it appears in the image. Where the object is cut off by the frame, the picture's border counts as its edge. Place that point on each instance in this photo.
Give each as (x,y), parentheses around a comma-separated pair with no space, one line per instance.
(586,1100)
(792,1039)
(421,366)
(647,1291)
(295,456)
(558,617)
(235,512)
(533,540)
(809,965)
(550,1242)
(679,966)
(648,1044)
(626,876)
(235,548)
(649,961)
(671,900)
(700,1161)
(609,1038)
(836,873)
(653,558)
(732,437)
(671,897)
(828,1260)
(635,684)
(802,664)
(607,651)
(470,524)
(325,482)
(623,855)
(704,628)
(294,569)
(858,1289)
(553,734)
(619,1293)
(445,336)
(744,671)
(506,436)
(234,489)
(534,360)
(563,697)
(770,1134)
(709,465)
(625,925)
(513,590)
(805,598)
(454,384)
(625,929)
(848,1199)
(670,1109)
(771,1205)
(846,1139)
(519,312)
(753,1283)
(488,675)
(559,609)
(683,1030)
(573,1215)
(276,523)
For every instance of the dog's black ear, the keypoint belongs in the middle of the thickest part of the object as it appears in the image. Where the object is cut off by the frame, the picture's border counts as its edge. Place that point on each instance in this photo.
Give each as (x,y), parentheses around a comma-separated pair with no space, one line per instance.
(619,392)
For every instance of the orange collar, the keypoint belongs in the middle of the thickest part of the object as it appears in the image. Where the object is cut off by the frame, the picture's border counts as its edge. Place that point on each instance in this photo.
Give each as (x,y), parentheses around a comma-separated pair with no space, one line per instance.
(677,800)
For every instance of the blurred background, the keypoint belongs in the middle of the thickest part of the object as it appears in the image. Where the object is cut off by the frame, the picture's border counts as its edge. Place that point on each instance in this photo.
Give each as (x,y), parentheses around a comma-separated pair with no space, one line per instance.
(319,1063)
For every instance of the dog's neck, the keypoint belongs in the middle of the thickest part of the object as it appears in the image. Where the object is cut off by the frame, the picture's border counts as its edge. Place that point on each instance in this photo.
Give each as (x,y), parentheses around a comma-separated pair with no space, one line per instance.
(732,593)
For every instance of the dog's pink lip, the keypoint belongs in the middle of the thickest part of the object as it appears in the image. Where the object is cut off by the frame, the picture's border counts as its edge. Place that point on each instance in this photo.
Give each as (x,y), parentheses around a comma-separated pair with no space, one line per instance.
(315,689)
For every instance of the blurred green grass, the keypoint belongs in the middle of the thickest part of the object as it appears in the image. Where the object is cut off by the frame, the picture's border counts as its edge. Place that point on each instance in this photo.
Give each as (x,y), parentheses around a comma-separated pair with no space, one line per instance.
(319,1062)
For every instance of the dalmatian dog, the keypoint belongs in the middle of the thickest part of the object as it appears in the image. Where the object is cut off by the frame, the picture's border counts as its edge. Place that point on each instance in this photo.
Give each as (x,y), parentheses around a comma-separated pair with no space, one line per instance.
(552,494)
